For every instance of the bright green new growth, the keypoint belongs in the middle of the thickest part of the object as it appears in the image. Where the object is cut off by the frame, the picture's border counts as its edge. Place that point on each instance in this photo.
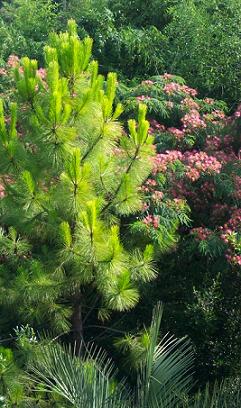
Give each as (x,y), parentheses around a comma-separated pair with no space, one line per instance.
(70,173)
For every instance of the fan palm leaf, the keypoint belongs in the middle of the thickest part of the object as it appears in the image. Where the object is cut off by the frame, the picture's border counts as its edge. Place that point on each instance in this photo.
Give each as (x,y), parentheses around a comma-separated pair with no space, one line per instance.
(84,382)
(166,374)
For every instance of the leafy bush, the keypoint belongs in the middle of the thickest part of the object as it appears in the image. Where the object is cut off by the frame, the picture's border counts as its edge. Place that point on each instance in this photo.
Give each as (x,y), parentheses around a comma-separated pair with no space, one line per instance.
(124,49)
(140,13)
(204,46)
(164,377)
(25,26)
(196,174)
(199,40)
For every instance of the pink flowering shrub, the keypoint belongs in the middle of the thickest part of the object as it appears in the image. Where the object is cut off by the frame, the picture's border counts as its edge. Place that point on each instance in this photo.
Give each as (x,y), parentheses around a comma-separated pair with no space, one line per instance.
(196,169)
(193,195)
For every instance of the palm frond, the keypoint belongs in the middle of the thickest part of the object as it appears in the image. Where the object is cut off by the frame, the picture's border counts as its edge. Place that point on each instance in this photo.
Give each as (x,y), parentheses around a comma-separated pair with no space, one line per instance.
(84,382)
(224,395)
(165,376)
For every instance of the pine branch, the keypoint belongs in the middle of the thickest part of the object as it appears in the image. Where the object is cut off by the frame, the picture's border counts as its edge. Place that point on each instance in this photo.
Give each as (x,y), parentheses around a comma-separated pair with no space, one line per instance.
(87,153)
(122,180)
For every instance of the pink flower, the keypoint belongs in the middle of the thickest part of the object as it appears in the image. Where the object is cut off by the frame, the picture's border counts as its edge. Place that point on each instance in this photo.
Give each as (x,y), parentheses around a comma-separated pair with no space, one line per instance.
(147,82)
(41,72)
(13,61)
(145,207)
(193,120)
(152,221)
(2,191)
(201,233)
(189,91)
(215,116)
(237,113)
(179,134)
(157,196)
(3,71)
(151,182)
(209,101)
(202,162)
(167,76)
(148,220)
(156,220)
(143,98)
(161,161)
(192,174)
(190,103)
(171,88)
(156,126)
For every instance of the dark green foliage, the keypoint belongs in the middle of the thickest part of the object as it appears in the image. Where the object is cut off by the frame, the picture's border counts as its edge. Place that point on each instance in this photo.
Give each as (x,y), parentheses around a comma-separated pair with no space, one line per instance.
(201,292)
(74,248)
(163,377)
(205,304)
(204,45)
(123,48)
(199,40)
(141,13)
(25,26)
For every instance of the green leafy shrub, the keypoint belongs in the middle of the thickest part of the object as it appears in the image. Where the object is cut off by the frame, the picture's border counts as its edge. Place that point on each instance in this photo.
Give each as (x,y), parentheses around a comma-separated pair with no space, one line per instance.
(197,175)
(25,26)
(199,40)
(124,49)
(204,46)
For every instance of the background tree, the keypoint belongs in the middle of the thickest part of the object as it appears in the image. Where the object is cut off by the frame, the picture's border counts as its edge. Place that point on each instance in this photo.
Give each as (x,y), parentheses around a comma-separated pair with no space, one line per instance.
(25,26)
(204,46)
(199,40)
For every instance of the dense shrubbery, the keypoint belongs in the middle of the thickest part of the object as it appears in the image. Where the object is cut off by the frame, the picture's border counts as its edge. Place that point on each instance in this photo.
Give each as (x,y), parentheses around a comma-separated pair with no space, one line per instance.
(199,40)
(100,212)
(204,45)
(196,174)
(25,27)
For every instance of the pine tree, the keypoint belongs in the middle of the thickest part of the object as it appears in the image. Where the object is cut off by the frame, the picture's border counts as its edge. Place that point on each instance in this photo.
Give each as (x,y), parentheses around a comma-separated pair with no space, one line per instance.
(69,174)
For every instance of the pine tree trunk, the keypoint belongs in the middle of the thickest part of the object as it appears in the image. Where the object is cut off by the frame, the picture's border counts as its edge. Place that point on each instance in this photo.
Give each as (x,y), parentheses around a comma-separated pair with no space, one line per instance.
(77,324)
